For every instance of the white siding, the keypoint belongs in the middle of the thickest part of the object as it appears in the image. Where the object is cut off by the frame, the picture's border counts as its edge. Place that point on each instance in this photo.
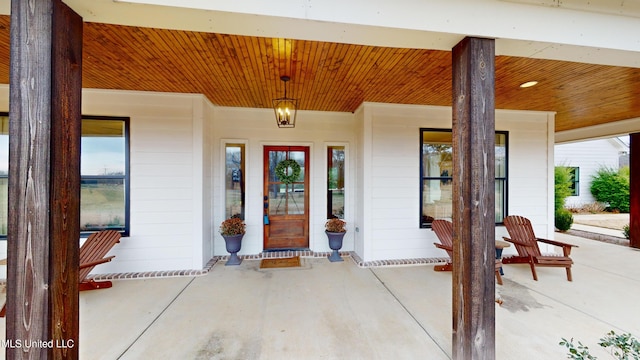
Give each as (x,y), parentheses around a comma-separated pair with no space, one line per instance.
(177,163)
(394,166)
(167,153)
(589,156)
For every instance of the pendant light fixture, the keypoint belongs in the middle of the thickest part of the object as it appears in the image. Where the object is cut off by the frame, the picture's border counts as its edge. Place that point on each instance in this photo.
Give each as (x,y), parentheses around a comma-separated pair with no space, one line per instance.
(285,108)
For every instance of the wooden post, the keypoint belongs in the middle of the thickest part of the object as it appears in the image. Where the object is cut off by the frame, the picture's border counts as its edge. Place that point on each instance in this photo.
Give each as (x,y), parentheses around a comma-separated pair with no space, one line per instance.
(44,181)
(634,192)
(473,199)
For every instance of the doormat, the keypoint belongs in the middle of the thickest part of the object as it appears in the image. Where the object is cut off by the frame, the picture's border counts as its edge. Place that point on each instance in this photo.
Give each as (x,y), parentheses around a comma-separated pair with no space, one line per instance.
(280,263)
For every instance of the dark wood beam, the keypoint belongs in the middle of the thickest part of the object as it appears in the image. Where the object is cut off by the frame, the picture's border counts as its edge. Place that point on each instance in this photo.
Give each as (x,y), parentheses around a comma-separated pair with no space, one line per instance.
(44,181)
(66,133)
(473,199)
(634,191)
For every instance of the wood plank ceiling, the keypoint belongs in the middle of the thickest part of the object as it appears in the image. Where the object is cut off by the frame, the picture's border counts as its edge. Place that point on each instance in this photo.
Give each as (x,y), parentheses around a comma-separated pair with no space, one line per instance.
(243,71)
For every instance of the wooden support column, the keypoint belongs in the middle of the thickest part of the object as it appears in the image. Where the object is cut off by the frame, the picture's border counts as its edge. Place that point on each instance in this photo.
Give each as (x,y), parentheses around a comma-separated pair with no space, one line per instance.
(634,190)
(473,199)
(44,181)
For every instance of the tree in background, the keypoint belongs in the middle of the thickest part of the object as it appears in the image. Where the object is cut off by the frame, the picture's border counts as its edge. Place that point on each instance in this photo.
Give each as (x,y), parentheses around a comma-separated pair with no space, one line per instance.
(611,186)
(563,217)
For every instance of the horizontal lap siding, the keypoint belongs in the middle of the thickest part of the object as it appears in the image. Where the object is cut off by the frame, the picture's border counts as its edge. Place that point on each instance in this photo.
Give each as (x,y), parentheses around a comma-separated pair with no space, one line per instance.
(395,161)
(162,179)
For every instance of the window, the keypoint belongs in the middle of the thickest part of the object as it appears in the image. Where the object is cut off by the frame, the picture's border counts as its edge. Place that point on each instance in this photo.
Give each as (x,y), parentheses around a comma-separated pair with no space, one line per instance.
(574,172)
(335,182)
(436,171)
(104,171)
(234,180)
(4,172)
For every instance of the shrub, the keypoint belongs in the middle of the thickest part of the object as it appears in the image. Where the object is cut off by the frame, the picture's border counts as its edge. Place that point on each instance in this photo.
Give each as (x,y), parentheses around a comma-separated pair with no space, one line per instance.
(612,187)
(563,219)
(622,347)
(562,186)
(625,231)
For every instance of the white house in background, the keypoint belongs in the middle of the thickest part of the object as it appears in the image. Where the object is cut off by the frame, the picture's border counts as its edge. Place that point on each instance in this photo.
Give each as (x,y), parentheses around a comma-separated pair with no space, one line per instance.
(585,158)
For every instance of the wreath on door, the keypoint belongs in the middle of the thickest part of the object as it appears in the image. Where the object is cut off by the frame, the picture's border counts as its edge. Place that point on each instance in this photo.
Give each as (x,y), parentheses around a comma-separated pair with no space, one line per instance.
(283,173)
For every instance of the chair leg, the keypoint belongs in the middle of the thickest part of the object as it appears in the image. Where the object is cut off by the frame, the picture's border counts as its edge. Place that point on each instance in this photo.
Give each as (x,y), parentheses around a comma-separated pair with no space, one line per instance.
(569,277)
(498,277)
(533,270)
(445,267)
(3,312)
(94,285)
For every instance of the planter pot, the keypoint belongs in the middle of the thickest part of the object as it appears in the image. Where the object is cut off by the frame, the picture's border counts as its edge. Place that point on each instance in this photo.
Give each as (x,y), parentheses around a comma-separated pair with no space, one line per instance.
(335,243)
(233,243)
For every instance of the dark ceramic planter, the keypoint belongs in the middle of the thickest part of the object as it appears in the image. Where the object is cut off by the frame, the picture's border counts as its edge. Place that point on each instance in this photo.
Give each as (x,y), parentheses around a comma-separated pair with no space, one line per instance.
(233,243)
(335,243)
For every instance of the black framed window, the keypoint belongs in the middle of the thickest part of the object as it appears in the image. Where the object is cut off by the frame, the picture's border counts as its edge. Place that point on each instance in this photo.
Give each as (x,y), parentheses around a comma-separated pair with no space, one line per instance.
(104,171)
(436,175)
(574,172)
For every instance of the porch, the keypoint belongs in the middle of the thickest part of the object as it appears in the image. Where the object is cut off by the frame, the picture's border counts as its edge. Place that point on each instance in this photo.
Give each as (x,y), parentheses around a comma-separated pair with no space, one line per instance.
(339,310)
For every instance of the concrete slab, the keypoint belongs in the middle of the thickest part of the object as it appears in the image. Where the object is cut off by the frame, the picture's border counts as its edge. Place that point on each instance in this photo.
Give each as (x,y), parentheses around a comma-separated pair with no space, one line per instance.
(336,310)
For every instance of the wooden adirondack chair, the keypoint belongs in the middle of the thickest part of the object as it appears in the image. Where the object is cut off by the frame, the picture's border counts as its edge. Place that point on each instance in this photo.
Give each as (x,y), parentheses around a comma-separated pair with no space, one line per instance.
(526,243)
(92,253)
(444,231)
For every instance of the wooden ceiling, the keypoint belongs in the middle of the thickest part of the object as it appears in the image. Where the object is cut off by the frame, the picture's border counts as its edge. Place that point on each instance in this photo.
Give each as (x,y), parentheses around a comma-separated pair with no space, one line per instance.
(243,71)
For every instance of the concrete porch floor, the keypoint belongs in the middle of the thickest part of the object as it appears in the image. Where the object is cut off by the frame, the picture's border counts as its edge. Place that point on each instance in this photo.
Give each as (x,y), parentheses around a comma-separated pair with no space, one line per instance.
(340,311)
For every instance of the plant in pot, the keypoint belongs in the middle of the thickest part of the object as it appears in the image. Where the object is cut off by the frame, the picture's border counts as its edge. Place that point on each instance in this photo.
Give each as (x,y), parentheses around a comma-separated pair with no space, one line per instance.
(232,230)
(335,230)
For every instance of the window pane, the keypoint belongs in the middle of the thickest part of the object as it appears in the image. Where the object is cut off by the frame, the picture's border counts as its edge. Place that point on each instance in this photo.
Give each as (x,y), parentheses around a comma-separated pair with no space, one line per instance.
(335,182)
(4,145)
(437,154)
(4,173)
(501,207)
(102,204)
(501,155)
(436,200)
(234,181)
(103,147)
(4,207)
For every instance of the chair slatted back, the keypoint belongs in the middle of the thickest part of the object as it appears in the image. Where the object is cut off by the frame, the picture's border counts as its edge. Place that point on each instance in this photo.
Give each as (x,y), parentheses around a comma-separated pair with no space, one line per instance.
(520,230)
(96,248)
(444,232)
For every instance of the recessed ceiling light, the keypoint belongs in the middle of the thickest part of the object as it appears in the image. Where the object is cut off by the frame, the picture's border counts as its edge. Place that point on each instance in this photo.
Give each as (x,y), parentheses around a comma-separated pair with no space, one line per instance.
(528,84)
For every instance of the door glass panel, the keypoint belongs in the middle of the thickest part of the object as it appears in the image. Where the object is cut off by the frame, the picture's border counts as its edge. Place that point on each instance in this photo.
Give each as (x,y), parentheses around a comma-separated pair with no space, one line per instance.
(286,199)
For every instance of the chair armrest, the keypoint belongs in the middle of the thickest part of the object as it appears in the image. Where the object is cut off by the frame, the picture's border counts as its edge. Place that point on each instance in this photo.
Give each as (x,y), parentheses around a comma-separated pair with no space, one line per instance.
(97,262)
(514,241)
(556,243)
(443,247)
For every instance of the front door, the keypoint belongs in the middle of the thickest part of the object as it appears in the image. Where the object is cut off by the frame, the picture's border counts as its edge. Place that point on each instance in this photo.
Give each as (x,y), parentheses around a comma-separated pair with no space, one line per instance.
(286,197)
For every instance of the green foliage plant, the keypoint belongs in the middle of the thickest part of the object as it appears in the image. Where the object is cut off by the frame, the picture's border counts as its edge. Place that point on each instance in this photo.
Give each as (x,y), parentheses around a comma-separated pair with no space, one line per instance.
(612,187)
(621,347)
(563,219)
(626,231)
(562,186)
